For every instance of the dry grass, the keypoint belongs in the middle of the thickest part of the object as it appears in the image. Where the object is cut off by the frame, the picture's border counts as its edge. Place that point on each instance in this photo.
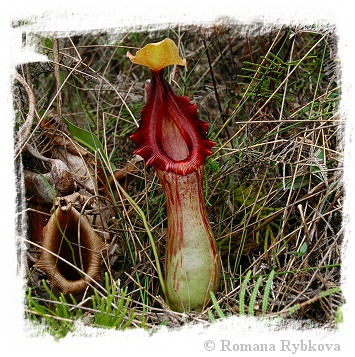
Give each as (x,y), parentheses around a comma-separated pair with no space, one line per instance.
(274,182)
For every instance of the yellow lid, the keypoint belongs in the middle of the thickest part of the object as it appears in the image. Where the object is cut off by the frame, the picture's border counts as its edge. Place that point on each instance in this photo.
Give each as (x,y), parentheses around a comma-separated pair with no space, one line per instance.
(158,55)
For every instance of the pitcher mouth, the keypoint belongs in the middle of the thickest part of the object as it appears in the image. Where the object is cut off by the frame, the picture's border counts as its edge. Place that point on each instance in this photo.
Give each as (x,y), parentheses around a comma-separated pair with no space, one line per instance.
(171,137)
(71,263)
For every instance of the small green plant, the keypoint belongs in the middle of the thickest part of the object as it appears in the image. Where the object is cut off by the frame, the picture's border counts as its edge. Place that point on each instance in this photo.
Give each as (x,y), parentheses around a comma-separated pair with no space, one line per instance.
(109,311)
(112,311)
(301,252)
(58,320)
(217,308)
(254,284)
(246,285)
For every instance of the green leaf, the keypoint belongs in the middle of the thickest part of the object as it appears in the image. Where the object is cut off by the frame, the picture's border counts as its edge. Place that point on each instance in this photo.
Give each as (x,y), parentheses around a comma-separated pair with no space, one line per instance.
(303,248)
(48,43)
(329,292)
(84,137)
(216,305)
(210,316)
(87,139)
(253,296)
(339,315)
(62,77)
(302,251)
(242,293)
(267,291)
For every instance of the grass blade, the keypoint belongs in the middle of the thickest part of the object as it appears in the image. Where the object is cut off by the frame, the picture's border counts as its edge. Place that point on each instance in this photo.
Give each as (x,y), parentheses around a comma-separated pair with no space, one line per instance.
(242,293)
(251,308)
(267,291)
(216,305)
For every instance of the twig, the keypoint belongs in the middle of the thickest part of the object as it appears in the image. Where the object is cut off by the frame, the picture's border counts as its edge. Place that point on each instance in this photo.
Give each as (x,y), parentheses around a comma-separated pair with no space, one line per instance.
(57,73)
(25,130)
(291,310)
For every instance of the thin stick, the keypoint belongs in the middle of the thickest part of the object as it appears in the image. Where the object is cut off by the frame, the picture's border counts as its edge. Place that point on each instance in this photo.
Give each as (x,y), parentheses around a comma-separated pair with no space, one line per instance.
(57,73)
(25,130)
